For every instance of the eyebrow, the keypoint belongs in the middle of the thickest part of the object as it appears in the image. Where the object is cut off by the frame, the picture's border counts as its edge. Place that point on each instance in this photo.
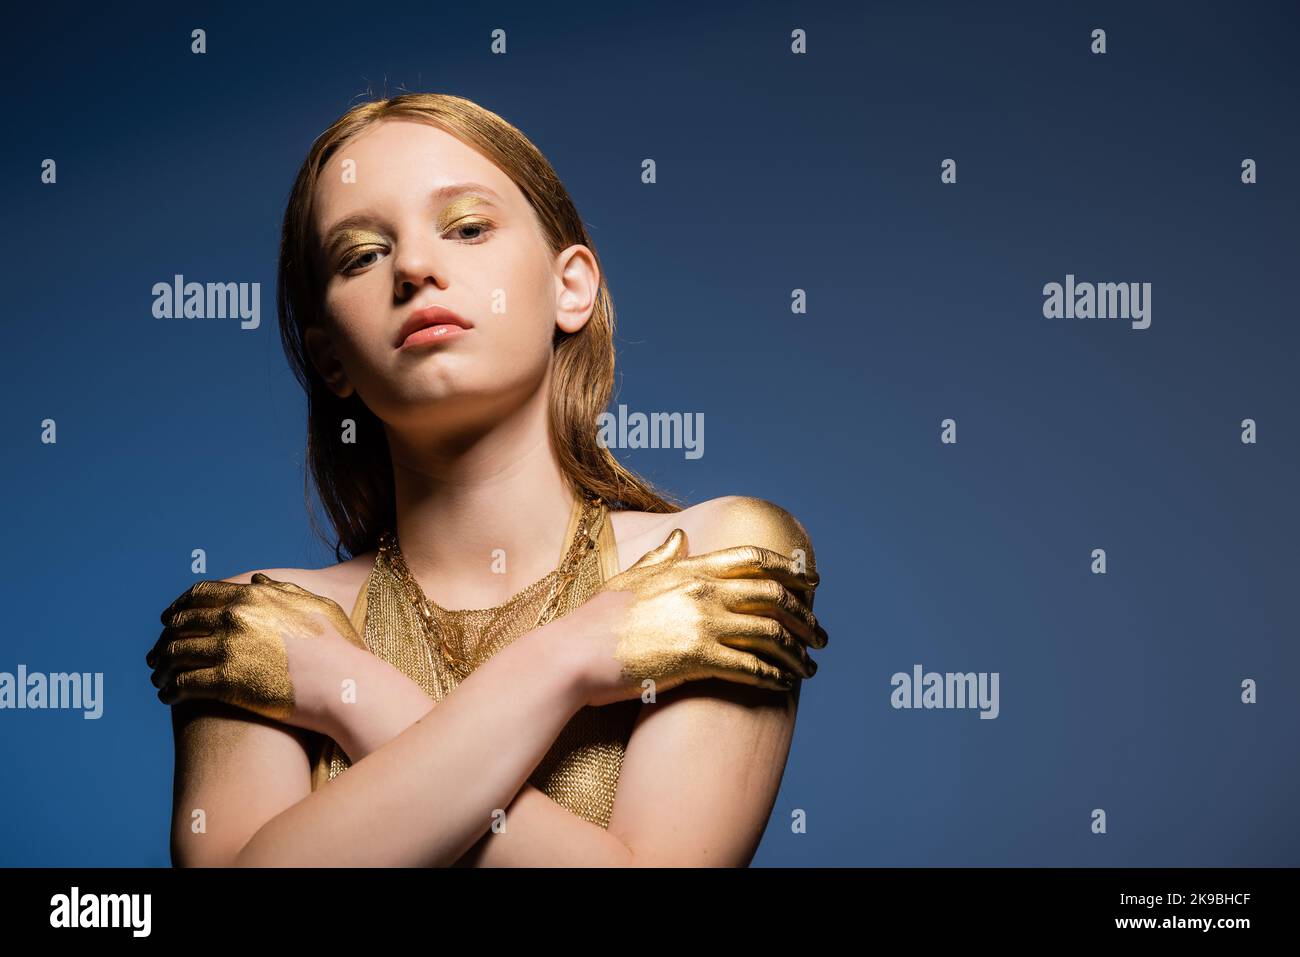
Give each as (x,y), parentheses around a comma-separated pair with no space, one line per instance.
(442,193)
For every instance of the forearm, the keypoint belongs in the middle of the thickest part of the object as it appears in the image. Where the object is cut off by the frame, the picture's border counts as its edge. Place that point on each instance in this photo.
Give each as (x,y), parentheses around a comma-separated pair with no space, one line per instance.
(540,833)
(427,795)
(387,702)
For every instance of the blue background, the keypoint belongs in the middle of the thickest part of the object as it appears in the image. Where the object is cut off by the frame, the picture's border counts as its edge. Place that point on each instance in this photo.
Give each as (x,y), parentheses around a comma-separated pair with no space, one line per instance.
(775,172)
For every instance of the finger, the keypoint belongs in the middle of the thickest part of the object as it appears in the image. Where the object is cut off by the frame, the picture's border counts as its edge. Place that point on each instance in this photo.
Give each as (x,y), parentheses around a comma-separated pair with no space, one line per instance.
(742,667)
(769,639)
(189,623)
(674,546)
(292,588)
(187,655)
(202,594)
(260,579)
(766,596)
(169,635)
(201,683)
(204,620)
(754,561)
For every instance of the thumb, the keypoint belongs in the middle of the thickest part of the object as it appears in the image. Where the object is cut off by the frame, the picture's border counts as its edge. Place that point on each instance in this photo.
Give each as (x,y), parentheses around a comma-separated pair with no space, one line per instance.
(260,579)
(673,547)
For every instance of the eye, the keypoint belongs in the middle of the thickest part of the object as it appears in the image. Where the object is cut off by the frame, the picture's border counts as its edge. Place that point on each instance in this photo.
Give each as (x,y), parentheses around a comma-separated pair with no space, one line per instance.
(482,226)
(356,260)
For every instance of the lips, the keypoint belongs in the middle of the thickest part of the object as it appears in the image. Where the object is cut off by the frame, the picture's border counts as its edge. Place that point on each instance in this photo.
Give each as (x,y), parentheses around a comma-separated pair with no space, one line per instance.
(429,318)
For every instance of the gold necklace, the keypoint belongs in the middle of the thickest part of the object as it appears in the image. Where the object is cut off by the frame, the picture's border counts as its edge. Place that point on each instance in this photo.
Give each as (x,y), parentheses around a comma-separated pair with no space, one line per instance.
(561,578)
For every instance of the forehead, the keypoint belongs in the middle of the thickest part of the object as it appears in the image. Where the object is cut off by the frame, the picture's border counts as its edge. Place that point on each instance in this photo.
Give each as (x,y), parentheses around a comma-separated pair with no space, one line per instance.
(398,161)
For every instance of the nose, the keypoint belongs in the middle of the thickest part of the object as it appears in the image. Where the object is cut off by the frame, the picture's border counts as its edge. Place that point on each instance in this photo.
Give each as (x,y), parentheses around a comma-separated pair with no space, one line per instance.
(415,263)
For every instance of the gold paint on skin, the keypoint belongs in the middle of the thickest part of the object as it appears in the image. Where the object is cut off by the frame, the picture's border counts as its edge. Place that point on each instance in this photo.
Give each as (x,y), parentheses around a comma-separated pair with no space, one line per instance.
(581,770)
(456,209)
(762,522)
(226,642)
(349,239)
(682,622)
(671,635)
(206,736)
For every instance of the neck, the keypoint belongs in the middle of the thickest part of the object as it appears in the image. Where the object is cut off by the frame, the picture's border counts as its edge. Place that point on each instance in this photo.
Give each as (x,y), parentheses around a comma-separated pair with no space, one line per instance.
(469,508)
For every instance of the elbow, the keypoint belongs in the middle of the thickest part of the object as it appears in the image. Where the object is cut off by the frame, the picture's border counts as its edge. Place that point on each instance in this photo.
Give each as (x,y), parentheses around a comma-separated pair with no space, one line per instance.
(249,852)
(683,861)
(200,850)
(700,856)
(191,859)
(243,859)
(614,852)
(253,854)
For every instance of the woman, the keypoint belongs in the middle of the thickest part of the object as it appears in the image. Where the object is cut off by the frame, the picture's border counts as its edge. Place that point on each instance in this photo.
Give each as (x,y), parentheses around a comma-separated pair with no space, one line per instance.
(443,307)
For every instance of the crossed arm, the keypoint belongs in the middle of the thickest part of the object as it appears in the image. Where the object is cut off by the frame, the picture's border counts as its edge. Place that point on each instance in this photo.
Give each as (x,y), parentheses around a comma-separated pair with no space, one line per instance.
(698,781)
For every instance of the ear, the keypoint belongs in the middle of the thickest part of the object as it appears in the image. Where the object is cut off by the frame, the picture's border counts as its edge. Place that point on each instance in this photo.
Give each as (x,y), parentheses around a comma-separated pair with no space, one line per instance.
(577,280)
(321,351)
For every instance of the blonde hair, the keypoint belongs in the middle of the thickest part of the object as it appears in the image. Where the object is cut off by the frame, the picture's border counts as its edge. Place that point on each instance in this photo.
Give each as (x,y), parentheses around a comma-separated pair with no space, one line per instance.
(355,480)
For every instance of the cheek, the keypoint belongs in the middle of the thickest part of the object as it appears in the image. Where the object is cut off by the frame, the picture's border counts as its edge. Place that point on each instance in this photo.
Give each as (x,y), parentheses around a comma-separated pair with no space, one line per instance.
(357,355)
(358,327)
(520,306)
(530,327)
(539,287)
(517,272)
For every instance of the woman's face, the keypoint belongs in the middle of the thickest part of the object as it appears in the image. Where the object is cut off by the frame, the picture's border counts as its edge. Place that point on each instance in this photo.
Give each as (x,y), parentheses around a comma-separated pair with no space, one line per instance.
(398,230)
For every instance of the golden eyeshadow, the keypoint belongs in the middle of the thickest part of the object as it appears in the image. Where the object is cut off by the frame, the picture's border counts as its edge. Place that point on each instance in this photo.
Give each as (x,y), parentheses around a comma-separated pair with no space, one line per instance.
(349,238)
(457,209)
(353,237)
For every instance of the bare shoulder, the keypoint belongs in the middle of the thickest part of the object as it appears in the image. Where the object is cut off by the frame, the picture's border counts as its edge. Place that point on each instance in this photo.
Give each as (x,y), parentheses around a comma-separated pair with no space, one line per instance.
(745,520)
(241,768)
(716,523)
(341,582)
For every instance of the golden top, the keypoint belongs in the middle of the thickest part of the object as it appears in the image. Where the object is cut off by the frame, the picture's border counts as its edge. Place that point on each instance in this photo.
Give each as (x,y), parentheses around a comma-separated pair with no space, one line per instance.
(581,770)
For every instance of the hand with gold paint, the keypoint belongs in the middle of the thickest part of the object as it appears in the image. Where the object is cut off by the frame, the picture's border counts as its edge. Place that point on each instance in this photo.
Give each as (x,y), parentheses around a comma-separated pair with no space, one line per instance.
(734,614)
(269,647)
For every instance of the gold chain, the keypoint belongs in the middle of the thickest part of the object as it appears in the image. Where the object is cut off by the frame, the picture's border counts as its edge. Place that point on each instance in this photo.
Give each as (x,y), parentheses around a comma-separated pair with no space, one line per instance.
(562,577)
